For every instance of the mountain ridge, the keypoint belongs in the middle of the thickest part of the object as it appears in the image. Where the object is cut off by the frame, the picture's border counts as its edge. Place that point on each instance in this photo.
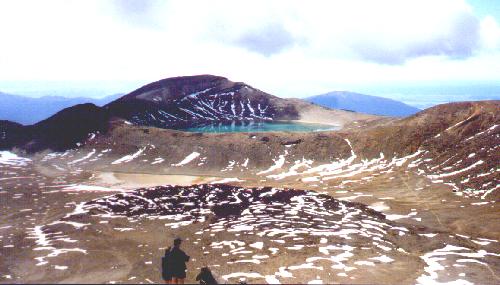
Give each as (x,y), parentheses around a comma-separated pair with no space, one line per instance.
(363,103)
(175,103)
(30,110)
(191,99)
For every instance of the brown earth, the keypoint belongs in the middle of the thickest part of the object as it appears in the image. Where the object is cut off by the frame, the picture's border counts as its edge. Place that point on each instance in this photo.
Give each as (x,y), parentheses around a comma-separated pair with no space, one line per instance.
(438,176)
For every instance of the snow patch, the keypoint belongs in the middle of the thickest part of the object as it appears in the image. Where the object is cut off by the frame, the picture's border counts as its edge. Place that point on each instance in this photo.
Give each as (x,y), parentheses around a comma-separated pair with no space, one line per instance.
(278,163)
(129,157)
(9,158)
(188,159)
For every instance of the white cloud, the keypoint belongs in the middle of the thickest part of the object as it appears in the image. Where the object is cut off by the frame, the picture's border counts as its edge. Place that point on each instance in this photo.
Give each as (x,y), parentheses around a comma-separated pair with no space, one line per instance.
(284,47)
(387,31)
(490,33)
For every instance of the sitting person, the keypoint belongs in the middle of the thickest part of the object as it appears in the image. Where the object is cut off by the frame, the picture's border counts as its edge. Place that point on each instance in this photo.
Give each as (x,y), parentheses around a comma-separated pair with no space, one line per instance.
(206,277)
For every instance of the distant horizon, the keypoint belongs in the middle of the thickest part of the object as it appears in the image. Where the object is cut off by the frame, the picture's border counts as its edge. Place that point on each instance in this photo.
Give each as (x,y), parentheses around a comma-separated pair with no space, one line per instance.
(420,94)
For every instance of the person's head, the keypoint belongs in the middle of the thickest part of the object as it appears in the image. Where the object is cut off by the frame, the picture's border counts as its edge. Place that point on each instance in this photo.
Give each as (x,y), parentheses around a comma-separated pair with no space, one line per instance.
(177,242)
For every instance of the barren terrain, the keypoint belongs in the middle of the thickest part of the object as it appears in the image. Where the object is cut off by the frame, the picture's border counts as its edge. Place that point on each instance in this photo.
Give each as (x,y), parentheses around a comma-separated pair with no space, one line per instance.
(95,195)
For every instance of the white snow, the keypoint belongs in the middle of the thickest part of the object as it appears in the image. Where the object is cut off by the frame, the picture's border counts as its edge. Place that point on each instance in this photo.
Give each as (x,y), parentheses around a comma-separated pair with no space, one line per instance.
(383,258)
(393,217)
(489,191)
(158,160)
(304,163)
(257,245)
(83,158)
(9,158)
(428,235)
(245,163)
(40,236)
(482,132)
(379,206)
(130,157)
(271,279)
(310,179)
(278,163)
(123,229)
(74,224)
(432,177)
(81,187)
(433,266)
(188,159)
(242,274)
(457,124)
(284,273)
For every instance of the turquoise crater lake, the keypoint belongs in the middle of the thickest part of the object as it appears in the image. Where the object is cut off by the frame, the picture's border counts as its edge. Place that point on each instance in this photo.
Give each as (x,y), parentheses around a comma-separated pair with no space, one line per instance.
(252,126)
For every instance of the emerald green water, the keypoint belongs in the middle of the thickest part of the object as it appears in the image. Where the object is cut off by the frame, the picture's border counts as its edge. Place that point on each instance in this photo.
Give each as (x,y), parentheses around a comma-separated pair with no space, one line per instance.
(250,127)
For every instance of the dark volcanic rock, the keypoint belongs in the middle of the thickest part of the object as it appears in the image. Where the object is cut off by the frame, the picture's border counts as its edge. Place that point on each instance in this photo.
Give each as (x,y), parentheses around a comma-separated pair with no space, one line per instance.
(189,203)
(292,142)
(193,100)
(224,200)
(12,134)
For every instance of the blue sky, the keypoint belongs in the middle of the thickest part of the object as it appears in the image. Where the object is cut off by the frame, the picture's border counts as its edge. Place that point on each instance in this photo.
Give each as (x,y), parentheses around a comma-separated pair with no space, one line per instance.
(287,48)
(486,7)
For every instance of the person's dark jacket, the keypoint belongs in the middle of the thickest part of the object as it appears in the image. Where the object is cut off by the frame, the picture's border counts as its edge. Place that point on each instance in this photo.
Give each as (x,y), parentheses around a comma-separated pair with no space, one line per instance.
(166,266)
(177,260)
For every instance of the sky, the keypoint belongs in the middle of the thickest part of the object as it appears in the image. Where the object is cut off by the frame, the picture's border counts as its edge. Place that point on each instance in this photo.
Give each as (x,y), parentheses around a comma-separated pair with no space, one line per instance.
(287,48)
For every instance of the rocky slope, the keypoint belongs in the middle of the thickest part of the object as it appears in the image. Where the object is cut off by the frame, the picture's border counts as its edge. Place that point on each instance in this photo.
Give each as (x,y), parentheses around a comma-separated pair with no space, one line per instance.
(399,201)
(170,103)
(453,144)
(204,99)
(199,99)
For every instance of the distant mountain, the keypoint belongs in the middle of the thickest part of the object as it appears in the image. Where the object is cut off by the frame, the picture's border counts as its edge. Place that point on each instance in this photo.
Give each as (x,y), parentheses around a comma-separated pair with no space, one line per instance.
(28,110)
(363,103)
(205,99)
(199,99)
(169,103)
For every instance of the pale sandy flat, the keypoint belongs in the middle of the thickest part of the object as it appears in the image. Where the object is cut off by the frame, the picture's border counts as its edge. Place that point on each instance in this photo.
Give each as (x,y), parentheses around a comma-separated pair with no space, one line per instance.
(318,115)
(138,180)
